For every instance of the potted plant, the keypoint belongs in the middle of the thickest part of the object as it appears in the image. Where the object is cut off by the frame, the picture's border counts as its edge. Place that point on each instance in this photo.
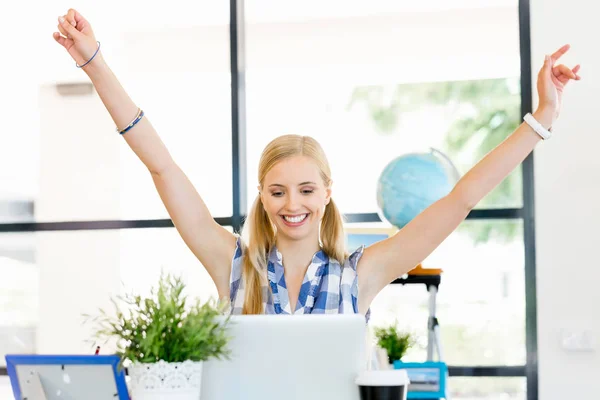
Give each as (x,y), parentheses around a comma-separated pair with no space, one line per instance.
(394,343)
(163,340)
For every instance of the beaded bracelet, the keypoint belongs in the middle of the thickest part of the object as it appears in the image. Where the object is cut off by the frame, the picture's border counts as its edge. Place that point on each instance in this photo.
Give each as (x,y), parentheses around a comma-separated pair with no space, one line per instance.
(90,60)
(137,119)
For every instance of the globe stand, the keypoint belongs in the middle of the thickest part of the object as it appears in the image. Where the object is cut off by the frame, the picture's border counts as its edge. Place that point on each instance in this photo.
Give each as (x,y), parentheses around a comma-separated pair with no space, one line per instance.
(433,328)
(431,278)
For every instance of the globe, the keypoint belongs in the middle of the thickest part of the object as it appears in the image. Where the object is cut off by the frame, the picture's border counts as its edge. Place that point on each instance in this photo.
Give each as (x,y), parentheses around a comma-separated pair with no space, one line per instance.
(412,182)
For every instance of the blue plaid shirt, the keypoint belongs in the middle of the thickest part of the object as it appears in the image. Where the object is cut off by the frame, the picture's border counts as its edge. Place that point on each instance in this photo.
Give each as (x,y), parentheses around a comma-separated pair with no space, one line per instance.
(328,286)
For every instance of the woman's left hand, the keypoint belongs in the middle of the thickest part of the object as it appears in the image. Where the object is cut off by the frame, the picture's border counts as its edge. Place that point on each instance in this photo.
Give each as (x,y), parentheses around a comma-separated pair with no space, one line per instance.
(551,83)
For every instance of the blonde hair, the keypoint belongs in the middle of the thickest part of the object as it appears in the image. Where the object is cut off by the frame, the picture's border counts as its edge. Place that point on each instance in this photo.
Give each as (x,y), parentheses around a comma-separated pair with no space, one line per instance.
(260,231)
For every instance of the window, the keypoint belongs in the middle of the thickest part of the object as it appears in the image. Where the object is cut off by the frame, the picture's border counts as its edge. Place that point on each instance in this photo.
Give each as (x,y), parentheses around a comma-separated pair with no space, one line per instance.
(377,95)
(481,298)
(66,162)
(487,388)
(19,294)
(50,279)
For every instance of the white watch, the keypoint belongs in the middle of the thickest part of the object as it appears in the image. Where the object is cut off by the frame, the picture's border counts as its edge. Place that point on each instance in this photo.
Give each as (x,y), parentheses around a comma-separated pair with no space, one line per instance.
(537,127)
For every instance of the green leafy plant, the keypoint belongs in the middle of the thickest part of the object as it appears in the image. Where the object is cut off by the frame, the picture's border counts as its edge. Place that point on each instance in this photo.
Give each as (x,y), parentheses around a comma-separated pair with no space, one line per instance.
(164,326)
(395,343)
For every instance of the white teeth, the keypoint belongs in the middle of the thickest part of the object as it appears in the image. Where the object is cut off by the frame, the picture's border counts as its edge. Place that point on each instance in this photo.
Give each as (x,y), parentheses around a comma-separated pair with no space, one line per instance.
(295,220)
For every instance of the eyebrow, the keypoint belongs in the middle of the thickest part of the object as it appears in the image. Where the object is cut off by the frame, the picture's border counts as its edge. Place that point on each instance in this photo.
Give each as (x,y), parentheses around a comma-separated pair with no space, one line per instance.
(301,184)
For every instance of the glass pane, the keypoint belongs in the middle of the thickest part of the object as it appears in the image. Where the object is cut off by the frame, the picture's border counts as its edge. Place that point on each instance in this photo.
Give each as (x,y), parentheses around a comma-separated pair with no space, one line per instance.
(52,278)
(67,162)
(464,119)
(481,299)
(488,388)
(350,78)
(19,294)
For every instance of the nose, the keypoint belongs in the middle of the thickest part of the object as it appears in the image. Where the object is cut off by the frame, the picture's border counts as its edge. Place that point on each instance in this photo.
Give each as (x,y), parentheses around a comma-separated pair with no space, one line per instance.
(292,203)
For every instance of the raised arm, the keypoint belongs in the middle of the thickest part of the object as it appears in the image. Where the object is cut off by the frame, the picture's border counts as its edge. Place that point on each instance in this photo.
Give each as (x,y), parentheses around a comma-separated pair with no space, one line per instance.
(212,244)
(389,259)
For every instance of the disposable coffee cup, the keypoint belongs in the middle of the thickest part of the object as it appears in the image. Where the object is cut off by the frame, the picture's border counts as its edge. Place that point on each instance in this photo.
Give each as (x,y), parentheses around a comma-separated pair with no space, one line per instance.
(383,384)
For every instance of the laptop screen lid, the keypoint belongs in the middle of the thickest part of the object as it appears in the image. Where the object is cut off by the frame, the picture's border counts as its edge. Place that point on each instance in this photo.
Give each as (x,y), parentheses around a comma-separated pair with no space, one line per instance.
(289,357)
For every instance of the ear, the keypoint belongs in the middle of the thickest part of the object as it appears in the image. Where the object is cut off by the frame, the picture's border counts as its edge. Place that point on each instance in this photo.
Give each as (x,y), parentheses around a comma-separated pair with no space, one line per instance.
(327,195)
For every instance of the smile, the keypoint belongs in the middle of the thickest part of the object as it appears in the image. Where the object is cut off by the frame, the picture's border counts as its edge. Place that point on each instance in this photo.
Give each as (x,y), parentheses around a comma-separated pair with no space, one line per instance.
(296,219)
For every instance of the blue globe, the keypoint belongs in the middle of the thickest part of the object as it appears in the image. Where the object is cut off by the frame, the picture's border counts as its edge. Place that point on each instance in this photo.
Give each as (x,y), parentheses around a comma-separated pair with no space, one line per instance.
(411,183)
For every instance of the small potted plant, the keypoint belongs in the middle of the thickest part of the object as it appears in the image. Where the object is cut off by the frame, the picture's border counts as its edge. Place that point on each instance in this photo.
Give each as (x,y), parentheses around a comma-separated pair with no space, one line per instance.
(164,339)
(394,343)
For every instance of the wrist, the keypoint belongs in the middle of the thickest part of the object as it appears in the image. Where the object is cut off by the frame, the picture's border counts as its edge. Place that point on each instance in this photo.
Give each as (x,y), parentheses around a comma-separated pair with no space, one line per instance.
(545,116)
(537,126)
(96,66)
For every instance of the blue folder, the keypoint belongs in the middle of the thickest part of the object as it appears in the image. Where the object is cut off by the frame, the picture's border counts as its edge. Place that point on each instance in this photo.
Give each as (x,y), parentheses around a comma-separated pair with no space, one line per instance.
(427,379)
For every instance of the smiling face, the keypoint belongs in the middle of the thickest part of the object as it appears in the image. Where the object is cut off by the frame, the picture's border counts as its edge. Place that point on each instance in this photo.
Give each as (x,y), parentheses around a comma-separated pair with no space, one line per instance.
(294,196)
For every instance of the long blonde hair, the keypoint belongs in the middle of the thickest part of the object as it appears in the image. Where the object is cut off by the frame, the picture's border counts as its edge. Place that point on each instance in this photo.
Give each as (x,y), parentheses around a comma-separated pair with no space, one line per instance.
(260,231)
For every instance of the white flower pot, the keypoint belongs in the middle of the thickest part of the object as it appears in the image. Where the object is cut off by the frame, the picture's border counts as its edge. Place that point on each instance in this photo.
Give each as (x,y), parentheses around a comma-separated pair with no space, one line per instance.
(165,381)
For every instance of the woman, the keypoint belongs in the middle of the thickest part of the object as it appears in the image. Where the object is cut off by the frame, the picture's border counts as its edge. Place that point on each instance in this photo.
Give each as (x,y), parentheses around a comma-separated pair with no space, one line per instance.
(294,221)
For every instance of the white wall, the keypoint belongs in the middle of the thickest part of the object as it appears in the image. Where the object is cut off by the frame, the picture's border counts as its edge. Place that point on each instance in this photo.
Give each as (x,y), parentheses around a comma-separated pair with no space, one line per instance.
(567,190)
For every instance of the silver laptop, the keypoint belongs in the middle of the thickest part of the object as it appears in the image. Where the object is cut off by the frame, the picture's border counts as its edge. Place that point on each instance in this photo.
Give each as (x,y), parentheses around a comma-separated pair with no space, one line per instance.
(289,357)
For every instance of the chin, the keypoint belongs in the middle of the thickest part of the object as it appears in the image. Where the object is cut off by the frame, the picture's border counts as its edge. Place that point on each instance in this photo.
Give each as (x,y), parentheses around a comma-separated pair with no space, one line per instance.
(297,233)
(294,234)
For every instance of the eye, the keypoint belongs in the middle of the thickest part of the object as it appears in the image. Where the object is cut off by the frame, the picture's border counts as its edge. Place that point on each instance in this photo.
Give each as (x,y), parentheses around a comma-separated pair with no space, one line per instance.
(276,194)
(307,191)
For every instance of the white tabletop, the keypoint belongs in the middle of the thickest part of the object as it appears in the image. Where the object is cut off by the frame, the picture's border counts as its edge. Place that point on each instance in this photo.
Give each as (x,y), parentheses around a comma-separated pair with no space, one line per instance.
(5,389)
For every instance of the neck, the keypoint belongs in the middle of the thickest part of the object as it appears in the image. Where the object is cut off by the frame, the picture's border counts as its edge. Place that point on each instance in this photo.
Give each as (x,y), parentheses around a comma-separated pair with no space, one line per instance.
(297,254)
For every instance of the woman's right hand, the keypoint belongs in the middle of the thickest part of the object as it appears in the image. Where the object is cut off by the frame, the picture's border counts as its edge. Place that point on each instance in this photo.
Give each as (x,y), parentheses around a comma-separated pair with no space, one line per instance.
(76,36)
